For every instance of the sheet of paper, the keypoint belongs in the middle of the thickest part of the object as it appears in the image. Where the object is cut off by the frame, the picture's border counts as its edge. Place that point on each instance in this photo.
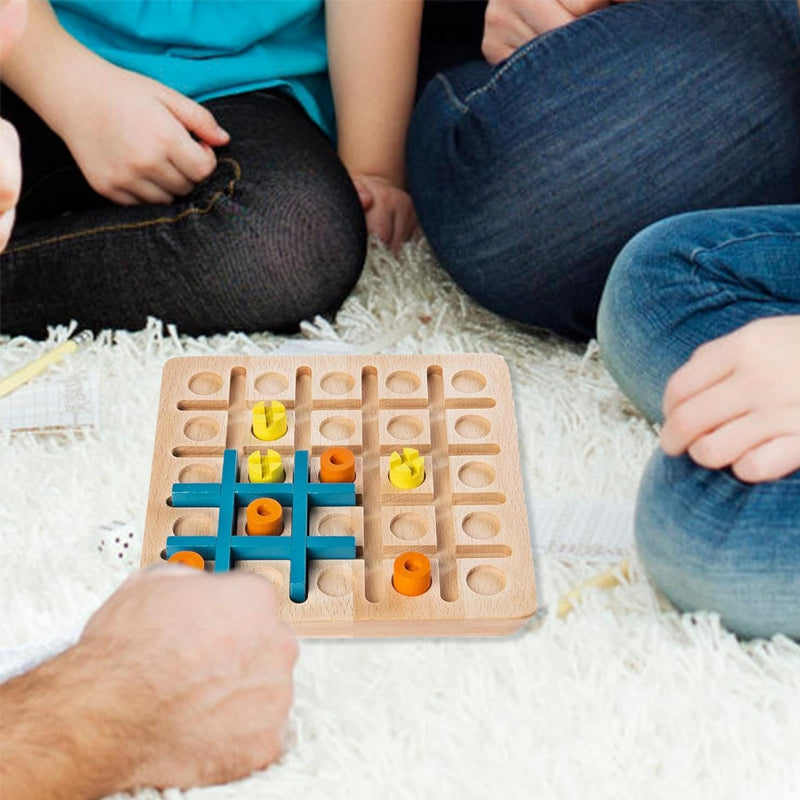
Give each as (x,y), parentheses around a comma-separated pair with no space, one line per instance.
(52,403)
(312,347)
(581,529)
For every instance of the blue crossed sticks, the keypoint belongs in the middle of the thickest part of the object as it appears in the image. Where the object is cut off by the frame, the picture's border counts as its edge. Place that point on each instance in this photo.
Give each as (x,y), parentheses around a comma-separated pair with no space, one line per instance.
(228,495)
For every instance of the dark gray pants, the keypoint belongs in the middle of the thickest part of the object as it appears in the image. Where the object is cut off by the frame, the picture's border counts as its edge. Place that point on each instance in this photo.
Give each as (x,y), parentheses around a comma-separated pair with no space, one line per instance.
(276,234)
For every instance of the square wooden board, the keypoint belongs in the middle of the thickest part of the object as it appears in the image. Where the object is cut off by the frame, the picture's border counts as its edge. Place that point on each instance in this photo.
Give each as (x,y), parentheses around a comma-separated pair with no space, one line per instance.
(468,516)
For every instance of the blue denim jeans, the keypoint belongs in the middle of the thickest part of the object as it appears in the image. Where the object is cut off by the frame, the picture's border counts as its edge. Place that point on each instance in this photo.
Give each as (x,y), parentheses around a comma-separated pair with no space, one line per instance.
(708,540)
(529,177)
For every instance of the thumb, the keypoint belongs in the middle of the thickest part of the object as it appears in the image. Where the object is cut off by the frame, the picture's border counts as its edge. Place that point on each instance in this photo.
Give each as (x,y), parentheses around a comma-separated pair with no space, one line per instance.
(196,119)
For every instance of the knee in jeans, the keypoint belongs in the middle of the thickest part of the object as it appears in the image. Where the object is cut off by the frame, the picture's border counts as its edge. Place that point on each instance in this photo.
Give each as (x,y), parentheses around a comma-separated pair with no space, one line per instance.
(625,303)
(702,542)
(658,256)
(300,261)
(638,308)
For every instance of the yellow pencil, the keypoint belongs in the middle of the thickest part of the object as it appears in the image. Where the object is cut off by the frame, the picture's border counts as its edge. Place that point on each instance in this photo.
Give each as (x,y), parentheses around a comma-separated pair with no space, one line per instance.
(39,365)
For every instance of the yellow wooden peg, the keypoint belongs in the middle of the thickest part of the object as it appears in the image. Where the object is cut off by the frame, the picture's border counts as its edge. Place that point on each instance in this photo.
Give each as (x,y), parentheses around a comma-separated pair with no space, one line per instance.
(265,469)
(269,423)
(406,471)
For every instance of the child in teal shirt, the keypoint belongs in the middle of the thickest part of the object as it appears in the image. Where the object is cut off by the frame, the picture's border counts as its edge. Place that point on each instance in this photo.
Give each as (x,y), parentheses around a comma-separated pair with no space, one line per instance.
(177,159)
(211,49)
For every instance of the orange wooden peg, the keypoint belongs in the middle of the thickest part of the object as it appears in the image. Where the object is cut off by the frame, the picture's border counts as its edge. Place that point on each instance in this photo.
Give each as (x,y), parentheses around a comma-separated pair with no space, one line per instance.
(412,574)
(337,465)
(188,558)
(264,517)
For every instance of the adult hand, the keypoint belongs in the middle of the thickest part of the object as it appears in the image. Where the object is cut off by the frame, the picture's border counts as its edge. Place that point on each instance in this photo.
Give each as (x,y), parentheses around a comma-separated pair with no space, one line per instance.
(509,24)
(388,209)
(180,679)
(136,140)
(216,687)
(736,402)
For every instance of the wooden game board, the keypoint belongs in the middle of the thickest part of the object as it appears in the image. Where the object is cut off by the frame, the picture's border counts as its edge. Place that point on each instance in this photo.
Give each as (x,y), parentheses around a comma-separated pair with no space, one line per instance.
(468,516)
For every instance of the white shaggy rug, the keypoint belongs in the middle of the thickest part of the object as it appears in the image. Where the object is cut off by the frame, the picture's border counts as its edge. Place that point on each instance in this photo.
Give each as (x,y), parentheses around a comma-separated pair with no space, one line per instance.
(622,698)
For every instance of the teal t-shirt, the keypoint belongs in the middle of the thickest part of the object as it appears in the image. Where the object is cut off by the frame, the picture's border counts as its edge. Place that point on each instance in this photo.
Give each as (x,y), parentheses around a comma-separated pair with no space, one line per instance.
(212,48)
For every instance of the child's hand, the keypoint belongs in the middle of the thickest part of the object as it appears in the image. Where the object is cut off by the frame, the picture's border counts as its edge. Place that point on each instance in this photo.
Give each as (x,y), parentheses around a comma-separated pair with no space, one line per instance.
(736,402)
(509,24)
(388,209)
(133,137)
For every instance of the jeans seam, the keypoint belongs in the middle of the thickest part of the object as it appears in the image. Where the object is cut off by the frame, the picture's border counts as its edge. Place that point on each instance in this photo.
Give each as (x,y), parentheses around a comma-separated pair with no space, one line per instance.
(193,210)
(509,63)
(450,92)
(699,252)
(749,237)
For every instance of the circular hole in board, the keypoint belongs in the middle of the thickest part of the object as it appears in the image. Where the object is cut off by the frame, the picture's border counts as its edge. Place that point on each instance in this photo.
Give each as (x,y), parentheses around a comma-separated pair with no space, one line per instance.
(193,525)
(196,473)
(336,525)
(403,382)
(472,426)
(404,427)
(334,582)
(271,383)
(337,429)
(271,574)
(201,429)
(486,580)
(481,525)
(468,381)
(205,383)
(337,383)
(476,475)
(408,526)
